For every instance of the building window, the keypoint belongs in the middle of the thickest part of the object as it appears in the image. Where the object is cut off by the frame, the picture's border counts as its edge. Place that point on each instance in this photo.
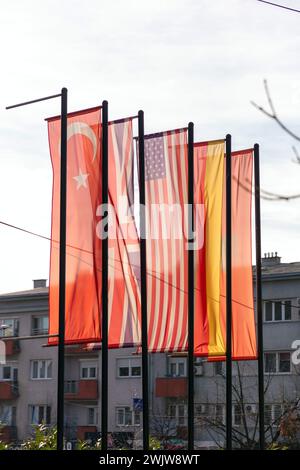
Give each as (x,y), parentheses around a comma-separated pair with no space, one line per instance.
(39,414)
(127,417)
(177,367)
(40,325)
(88,370)
(9,327)
(129,367)
(273,413)
(219,366)
(220,413)
(41,369)
(237,415)
(8,373)
(8,415)
(278,363)
(92,416)
(278,310)
(178,412)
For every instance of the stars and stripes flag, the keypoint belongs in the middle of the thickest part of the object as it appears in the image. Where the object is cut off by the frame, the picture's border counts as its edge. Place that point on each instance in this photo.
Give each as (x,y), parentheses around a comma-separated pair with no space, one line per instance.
(166,221)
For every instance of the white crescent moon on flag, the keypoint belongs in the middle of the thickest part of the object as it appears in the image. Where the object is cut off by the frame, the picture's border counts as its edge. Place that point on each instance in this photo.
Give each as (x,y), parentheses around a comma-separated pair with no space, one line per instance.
(82,128)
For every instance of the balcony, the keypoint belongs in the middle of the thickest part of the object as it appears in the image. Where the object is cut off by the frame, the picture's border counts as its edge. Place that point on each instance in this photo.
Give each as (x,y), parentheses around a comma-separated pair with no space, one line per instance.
(82,349)
(12,347)
(81,389)
(9,390)
(8,434)
(171,387)
(85,432)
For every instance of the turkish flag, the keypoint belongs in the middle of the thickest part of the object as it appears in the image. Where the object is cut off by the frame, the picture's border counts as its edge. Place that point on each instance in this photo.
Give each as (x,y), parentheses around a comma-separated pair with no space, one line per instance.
(83,246)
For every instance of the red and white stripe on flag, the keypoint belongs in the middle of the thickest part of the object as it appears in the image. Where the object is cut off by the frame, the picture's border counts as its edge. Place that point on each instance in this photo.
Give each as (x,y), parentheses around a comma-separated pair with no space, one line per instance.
(166,220)
(124,250)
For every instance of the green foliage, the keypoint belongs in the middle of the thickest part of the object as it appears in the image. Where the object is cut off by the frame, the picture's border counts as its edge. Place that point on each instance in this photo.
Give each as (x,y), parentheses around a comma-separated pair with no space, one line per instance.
(44,439)
(4,446)
(154,443)
(84,445)
(277,446)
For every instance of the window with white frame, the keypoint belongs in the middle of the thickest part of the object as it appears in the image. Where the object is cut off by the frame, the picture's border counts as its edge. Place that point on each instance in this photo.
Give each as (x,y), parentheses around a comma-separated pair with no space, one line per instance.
(92,416)
(39,325)
(8,415)
(8,372)
(177,366)
(39,414)
(9,327)
(41,369)
(273,413)
(129,367)
(178,412)
(278,310)
(88,370)
(277,363)
(125,416)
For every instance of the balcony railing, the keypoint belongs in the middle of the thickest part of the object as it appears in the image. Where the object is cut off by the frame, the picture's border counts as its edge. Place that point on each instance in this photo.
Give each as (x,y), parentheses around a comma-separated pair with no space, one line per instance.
(8,434)
(12,346)
(169,387)
(9,390)
(81,389)
(39,331)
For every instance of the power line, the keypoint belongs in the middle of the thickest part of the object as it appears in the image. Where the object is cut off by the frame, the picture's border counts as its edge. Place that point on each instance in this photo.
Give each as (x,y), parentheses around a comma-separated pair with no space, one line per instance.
(153,273)
(279,6)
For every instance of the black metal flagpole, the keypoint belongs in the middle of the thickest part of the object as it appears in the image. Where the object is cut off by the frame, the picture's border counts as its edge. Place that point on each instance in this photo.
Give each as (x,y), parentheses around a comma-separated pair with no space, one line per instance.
(104,366)
(191,287)
(260,347)
(62,270)
(62,257)
(145,379)
(228,299)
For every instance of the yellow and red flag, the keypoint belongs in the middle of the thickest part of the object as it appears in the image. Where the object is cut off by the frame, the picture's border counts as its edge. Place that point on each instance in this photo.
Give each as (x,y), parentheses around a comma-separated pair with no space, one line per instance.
(210,259)
(208,193)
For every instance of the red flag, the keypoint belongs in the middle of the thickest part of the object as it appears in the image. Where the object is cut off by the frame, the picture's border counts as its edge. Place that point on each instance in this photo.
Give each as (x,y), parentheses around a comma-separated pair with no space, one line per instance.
(243,318)
(83,260)
(124,250)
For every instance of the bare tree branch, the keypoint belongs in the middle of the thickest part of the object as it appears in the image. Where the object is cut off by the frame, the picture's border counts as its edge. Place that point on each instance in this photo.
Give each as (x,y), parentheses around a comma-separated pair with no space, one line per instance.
(273,114)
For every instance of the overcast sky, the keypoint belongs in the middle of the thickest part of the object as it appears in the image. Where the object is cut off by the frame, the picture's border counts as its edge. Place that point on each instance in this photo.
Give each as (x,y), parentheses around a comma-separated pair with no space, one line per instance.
(179,61)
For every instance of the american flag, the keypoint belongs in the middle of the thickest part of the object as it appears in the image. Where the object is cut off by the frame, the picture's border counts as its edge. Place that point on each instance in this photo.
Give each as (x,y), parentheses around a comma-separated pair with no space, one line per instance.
(167,275)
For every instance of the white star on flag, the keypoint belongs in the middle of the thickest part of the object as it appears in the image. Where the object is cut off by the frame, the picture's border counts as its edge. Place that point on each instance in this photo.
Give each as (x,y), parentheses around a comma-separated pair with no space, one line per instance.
(81,179)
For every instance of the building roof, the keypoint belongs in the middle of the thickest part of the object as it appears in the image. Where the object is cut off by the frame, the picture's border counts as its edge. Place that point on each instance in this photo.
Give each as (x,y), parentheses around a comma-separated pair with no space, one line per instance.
(282,268)
(30,292)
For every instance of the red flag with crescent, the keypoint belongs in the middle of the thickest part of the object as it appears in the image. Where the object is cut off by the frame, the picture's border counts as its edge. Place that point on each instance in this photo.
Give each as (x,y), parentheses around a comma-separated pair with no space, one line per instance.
(83,246)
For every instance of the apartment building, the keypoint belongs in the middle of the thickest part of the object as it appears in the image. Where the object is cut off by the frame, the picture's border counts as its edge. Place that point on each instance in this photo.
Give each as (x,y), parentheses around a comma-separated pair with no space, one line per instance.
(28,382)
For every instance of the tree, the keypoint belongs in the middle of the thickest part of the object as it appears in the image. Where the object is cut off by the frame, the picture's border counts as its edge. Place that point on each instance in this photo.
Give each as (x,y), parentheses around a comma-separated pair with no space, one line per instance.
(281,430)
(272,114)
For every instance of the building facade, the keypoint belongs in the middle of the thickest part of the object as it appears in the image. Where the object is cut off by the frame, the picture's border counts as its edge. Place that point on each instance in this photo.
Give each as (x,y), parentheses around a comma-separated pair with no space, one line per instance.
(28,379)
